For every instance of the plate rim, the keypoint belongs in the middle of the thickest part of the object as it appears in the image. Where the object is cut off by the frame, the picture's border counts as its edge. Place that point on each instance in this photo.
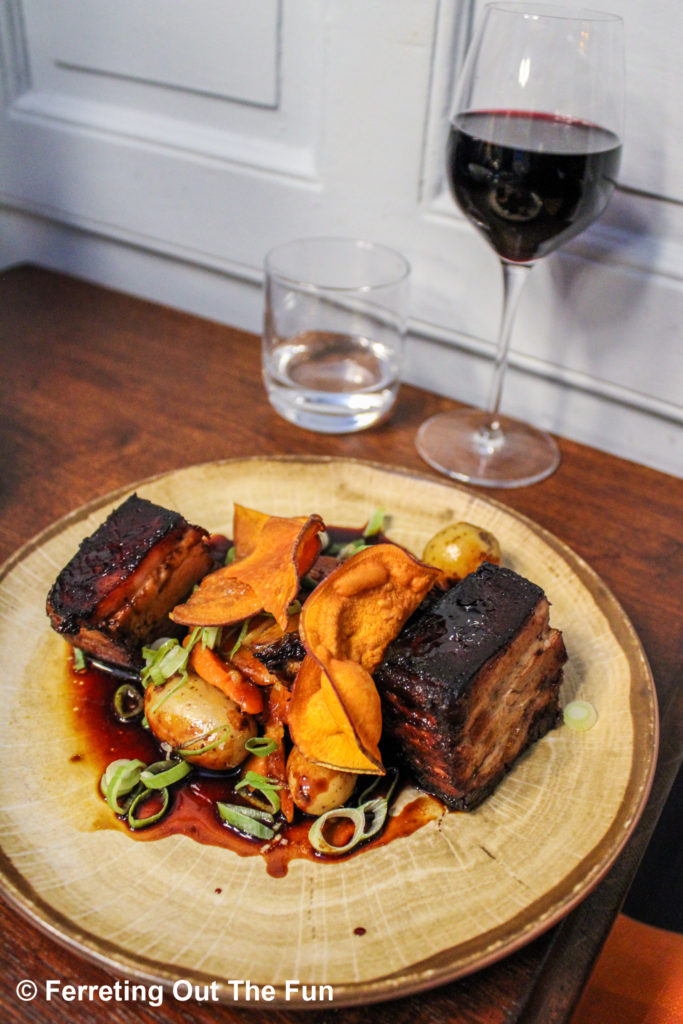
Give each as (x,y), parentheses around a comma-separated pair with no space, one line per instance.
(435,970)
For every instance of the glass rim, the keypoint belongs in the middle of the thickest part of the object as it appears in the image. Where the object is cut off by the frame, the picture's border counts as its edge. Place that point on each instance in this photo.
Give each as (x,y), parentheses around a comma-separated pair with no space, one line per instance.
(388,280)
(545,10)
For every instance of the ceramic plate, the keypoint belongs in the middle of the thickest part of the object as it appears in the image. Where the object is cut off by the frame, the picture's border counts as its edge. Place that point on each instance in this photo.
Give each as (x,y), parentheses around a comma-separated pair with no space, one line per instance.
(453,897)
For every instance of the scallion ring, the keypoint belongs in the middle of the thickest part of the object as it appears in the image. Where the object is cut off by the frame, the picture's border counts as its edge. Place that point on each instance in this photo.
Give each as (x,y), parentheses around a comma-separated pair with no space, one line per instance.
(120,778)
(164,773)
(128,702)
(316,834)
(141,799)
(368,818)
(579,715)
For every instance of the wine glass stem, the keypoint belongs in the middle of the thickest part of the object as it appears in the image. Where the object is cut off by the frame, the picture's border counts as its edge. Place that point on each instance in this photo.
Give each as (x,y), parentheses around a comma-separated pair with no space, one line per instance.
(514,279)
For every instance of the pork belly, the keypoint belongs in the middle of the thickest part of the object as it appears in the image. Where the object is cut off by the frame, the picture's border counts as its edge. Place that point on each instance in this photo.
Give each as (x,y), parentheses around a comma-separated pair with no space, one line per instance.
(116,592)
(470,682)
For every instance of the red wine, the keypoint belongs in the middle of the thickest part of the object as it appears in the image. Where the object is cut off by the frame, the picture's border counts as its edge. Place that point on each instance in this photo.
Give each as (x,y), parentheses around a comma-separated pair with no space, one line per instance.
(530,181)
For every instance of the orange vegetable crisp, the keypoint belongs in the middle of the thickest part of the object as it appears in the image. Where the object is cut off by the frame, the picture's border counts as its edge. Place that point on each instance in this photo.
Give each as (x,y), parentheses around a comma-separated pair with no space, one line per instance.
(272,553)
(346,624)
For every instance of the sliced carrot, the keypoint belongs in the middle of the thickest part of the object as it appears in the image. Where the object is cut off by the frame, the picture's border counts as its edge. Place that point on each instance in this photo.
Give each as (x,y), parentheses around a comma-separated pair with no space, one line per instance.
(230,681)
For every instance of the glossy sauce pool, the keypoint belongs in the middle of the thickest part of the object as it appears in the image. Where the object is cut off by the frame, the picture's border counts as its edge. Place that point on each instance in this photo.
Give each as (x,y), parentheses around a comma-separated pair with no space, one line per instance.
(193,801)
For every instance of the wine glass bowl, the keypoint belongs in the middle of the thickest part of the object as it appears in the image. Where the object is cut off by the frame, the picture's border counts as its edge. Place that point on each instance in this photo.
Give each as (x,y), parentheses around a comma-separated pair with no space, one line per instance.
(532,157)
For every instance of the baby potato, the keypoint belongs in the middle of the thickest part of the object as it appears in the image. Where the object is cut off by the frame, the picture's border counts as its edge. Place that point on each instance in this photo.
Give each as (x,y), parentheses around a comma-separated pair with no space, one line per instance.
(460,548)
(316,789)
(196,714)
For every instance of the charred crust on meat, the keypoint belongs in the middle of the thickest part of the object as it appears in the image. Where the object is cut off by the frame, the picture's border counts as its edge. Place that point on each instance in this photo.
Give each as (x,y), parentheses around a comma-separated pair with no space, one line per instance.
(118,588)
(470,682)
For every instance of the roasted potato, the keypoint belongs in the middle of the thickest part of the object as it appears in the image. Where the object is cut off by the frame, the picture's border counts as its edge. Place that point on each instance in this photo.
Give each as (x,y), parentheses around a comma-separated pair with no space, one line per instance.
(316,789)
(197,715)
(460,548)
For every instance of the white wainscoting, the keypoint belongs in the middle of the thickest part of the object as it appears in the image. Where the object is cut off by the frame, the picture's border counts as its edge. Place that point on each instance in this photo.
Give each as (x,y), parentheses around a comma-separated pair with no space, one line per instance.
(163,146)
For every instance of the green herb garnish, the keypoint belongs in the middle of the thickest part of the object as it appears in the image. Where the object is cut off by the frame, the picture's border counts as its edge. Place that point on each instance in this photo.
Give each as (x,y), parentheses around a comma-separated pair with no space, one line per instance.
(367,820)
(261,746)
(262,784)
(250,820)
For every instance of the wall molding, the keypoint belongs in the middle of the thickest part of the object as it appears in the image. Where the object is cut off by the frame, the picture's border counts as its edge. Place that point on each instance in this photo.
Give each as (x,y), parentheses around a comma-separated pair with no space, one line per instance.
(69,114)
(14,64)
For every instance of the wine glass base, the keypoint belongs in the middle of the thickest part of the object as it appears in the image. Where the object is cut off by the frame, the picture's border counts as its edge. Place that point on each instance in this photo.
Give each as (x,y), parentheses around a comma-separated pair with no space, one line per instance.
(456,443)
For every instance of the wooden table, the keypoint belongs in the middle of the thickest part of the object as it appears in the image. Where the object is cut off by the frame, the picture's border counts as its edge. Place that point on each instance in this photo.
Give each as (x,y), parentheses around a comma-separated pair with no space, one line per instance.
(100,389)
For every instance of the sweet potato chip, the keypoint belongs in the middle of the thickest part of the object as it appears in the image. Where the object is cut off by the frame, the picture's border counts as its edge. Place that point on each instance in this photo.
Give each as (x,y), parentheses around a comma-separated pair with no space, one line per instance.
(247,524)
(317,732)
(279,551)
(346,625)
(218,601)
(361,606)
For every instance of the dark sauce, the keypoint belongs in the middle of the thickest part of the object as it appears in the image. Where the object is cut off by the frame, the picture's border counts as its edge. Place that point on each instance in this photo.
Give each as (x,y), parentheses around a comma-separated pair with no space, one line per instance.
(192,811)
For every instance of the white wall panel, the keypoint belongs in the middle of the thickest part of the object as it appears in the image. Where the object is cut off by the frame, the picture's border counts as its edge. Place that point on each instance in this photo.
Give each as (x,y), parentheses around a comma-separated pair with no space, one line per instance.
(163,146)
(205,46)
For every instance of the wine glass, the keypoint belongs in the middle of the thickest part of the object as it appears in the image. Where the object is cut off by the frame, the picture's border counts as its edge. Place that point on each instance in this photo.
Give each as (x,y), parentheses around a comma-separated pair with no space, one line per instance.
(533,153)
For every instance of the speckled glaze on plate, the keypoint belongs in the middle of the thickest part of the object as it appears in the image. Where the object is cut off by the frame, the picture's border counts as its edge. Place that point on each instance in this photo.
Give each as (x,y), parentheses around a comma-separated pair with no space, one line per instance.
(453,897)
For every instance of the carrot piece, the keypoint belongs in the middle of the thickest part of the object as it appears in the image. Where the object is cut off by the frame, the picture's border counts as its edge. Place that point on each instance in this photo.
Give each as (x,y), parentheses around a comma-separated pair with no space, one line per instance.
(230,681)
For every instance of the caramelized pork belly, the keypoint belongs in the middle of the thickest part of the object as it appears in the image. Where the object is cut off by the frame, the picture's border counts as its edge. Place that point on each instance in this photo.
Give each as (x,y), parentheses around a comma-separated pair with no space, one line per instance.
(116,592)
(471,681)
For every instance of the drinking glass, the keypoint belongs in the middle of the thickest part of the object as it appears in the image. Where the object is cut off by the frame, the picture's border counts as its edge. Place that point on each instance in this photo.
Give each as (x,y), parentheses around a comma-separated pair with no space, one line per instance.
(333,331)
(533,153)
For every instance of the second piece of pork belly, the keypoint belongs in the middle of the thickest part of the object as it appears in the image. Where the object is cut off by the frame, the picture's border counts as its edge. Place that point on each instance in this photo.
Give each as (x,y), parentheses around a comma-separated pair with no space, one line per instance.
(115,594)
(471,682)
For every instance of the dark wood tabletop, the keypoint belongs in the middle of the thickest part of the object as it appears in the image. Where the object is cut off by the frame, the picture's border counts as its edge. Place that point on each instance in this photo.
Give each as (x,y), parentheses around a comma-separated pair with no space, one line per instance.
(100,390)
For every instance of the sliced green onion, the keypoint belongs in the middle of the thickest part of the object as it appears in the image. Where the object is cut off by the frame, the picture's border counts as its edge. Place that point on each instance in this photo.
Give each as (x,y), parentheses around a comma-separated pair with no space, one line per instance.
(137,782)
(262,784)
(210,636)
(169,657)
(351,549)
(375,812)
(579,715)
(223,734)
(316,834)
(163,662)
(367,819)
(240,639)
(80,663)
(230,555)
(120,778)
(164,773)
(128,702)
(375,522)
(169,693)
(261,746)
(249,820)
(141,799)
